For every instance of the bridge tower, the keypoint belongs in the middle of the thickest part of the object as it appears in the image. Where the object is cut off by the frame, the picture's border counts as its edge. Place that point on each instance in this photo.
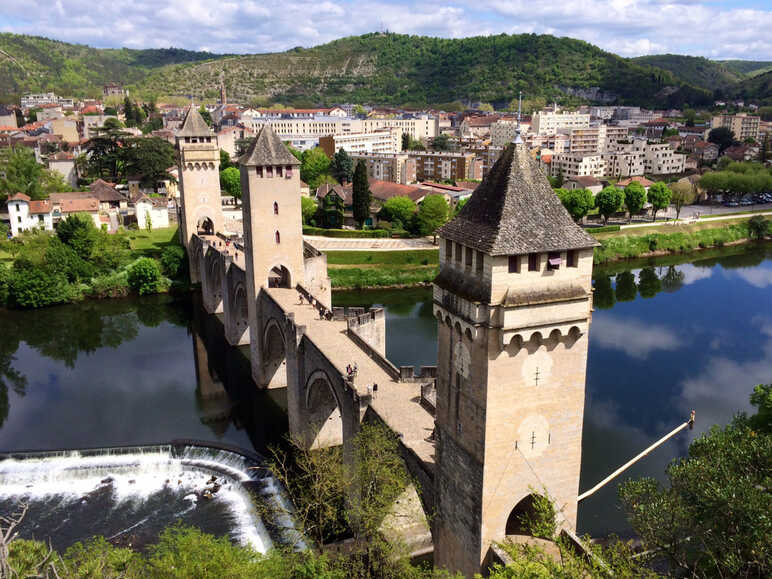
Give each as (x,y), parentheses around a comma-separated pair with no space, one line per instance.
(513,302)
(273,232)
(199,168)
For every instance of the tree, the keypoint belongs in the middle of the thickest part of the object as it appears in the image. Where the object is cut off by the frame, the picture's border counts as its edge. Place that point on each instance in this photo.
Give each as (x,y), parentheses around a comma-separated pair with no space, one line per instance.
(308,207)
(148,157)
(314,166)
(230,181)
(225,160)
(659,197)
(405,141)
(721,136)
(486,107)
(79,232)
(342,166)
(577,202)
(205,115)
(635,197)
(609,201)
(33,286)
(682,194)
(603,296)
(104,151)
(441,142)
(432,213)
(398,209)
(21,173)
(626,288)
(758,227)
(173,260)
(649,284)
(144,276)
(361,194)
(712,519)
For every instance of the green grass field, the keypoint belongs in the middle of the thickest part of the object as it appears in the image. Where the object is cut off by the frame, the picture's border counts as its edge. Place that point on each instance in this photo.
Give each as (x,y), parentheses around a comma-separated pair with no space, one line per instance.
(151,243)
(362,269)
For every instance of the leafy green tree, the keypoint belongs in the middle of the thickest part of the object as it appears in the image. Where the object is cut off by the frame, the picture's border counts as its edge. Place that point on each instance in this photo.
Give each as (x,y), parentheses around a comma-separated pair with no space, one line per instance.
(721,136)
(486,107)
(682,194)
(441,142)
(398,209)
(609,201)
(205,115)
(758,227)
(230,181)
(144,276)
(659,196)
(21,173)
(308,208)
(626,288)
(342,167)
(361,194)
(61,258)
(148,157)
(432,213)
(314,165)
(712,519)
(174,260)
(225,160)
(635,197)
(405,141)
(577,202)
(33,286)
(649,284)
(460,205)
(79,232)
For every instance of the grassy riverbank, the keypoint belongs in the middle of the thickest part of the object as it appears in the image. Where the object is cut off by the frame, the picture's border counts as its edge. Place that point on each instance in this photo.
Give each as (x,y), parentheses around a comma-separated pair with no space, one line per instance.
(366,269)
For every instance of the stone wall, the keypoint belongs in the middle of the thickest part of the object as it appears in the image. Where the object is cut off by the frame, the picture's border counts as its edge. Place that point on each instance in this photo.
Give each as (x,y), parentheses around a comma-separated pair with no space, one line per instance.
(371,328)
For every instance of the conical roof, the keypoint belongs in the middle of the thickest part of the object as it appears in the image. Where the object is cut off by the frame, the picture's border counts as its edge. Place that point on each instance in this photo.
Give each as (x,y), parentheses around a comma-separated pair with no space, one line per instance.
(194,125)
(515,211)
(268,149)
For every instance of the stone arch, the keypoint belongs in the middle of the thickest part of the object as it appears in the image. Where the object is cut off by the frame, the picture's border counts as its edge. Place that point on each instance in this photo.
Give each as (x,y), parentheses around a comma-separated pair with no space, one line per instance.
(279,276)
(195,262)
(325,419)
(204,225)
(274,355)
(524,509)
(553,340)
(214,276)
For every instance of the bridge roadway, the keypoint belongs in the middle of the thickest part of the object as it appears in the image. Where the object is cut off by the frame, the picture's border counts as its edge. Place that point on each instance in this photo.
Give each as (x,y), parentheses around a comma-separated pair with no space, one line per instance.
(396,403)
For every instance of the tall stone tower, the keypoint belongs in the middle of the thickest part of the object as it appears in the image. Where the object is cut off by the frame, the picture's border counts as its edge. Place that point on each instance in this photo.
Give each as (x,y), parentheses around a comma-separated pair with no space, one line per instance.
(513,302)
(198,157)
(273,226)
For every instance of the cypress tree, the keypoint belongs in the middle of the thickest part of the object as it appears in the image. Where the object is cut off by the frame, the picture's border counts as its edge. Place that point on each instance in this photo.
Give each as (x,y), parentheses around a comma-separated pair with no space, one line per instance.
(361,194)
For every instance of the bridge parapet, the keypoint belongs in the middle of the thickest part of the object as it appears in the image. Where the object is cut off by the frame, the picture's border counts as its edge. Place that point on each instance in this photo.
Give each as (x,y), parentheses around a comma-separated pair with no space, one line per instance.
(417,373)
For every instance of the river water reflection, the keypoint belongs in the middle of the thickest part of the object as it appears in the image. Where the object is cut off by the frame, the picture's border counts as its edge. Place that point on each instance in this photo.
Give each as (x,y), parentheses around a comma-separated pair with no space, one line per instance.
(665,338)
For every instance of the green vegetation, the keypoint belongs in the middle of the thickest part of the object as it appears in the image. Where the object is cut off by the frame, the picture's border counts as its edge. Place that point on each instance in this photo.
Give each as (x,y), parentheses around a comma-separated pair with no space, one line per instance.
(361,194)
(635,198)
(737,180)
(659,196)
(82,261)
(747,67)
(398,210)
(757,88)
(342,167)
(433,212)
(578,202)
(609,201)
(230,181)
(407,257)
(21,173)
(361,269)
(695,70)
(360,233)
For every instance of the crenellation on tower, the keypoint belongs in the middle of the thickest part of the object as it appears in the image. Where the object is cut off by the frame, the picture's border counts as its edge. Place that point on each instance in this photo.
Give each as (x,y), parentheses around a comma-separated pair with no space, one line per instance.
(513,300)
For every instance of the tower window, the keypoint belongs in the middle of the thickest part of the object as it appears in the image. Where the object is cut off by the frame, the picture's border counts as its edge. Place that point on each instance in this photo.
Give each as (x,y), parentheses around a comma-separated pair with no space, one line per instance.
(278,238)
(288,171)
(514,264)
(459,250)
(553,260)
(259,171)
(275,208)
(572,259)
(448,250)
(269,172)
(534,261)
(279,171)
(480,263)
(468,260)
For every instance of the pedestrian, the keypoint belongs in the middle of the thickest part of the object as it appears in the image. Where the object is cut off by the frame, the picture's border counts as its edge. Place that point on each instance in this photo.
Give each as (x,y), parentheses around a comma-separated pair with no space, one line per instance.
(300,298)
(375,390)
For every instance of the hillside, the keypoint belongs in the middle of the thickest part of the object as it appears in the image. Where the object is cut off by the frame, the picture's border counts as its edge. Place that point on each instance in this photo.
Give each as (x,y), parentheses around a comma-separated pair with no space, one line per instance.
(36,64)
(695,70)
(401,69)
(747,67)
(757,88)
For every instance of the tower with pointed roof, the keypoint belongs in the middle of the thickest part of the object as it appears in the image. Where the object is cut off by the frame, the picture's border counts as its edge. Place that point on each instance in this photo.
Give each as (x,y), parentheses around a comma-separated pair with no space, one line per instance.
(198,157)
(273,226)
(513,300)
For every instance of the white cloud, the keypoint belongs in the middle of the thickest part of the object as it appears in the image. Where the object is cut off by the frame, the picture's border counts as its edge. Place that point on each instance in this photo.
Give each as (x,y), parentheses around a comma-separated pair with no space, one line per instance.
(628,27)
(632,337)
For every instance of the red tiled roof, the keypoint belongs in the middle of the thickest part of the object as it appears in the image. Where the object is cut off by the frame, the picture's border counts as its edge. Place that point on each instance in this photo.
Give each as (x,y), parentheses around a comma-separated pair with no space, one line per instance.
(383,190)
(642,180)
(38,207)
(443,186)
(19,197)
(75,202)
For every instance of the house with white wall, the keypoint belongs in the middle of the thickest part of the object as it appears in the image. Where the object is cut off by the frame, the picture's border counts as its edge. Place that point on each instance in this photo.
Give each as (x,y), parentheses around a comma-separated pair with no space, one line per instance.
(26,214)
(155,209)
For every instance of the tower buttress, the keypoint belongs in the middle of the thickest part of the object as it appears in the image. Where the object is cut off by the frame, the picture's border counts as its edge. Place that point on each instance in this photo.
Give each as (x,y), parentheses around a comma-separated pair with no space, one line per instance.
(513,303)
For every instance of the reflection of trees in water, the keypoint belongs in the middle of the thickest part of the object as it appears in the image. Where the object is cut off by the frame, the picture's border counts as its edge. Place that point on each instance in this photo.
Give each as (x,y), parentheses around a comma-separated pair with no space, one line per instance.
(9,377)
(746,257)
(626,289)
(649,284)
(673,280)
(603,298)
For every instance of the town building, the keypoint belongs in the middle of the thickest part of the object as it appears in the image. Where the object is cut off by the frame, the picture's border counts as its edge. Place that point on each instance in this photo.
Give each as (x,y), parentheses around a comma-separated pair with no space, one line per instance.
(26,214)
(152,212)
(93,122)
(742,125)
(547,122)
(573,165)
(436,166)
(37,100)
(378,142)
(8,117)
(64,164)
(396,167)
(113,89)
(589,140)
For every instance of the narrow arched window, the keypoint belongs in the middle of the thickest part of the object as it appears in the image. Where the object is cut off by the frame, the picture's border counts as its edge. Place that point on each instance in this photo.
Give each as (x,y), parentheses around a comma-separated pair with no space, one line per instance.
(275,208)
(278,237)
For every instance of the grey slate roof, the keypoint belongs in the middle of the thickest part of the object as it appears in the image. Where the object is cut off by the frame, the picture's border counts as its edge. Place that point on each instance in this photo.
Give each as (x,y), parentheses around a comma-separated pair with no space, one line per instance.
(515,211)
(267,149)
(194,125)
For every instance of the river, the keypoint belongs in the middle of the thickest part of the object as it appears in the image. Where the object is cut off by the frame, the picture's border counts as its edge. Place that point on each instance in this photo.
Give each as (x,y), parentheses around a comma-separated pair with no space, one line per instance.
(667,336)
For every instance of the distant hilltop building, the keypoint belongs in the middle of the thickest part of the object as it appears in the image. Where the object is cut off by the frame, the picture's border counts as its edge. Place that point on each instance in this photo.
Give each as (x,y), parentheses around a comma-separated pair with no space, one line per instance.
(36,100)
(114,89)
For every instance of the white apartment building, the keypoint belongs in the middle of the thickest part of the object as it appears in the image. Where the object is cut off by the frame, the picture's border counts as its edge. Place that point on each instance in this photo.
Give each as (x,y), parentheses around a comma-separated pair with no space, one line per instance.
(548,122)
(573,165)
(743,126)
(92,122)
(660,159)
(33,101)
(504,132)
(398,167)
(378,142)
(26,214)
(596,139)
(623,159)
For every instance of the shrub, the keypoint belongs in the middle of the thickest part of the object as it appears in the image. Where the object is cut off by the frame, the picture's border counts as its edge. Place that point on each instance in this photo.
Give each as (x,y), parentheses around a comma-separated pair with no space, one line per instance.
(78,231)
(5,277)
(173,260)
(113,285)
(61,258)
(344,232)
(758,227)
(32,286)
(144,276)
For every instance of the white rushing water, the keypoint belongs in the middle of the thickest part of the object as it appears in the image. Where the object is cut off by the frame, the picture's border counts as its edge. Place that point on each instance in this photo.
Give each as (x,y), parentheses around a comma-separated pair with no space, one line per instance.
(136,473)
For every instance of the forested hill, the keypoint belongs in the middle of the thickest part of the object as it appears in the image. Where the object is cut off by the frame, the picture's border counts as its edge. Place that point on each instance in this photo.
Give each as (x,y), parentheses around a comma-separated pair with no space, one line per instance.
(401,69)
(748,67)
(695,70)
(36,64)
(757,89)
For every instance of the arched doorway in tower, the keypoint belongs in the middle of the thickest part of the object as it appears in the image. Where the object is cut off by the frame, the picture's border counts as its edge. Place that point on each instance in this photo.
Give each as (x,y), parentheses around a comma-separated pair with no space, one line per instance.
(274,357)
(279,276)
(522,513)
(325,422)
(205,226)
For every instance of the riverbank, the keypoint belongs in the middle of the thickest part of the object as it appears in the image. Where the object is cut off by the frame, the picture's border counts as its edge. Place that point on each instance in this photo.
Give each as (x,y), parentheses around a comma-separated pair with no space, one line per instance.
(355,270)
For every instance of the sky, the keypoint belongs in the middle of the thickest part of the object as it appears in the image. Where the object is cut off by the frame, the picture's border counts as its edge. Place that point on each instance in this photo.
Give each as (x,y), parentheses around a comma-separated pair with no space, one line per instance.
(711,28)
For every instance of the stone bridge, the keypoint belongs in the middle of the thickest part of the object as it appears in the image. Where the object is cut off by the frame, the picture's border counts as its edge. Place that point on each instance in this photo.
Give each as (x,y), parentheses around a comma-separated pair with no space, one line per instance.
(306,346)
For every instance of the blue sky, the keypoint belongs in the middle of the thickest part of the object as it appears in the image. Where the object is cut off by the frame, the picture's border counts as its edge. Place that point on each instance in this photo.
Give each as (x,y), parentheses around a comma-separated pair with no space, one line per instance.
(711,28)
